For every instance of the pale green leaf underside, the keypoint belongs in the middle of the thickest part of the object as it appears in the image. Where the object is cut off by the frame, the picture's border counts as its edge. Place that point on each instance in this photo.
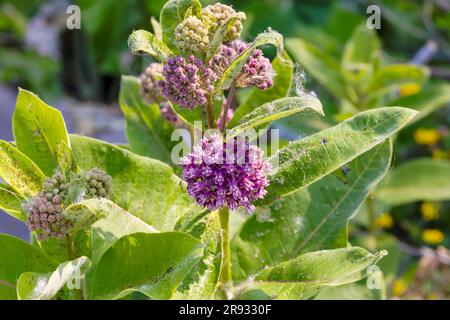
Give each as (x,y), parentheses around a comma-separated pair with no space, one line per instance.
(144,42)
(11,203)
(38,286)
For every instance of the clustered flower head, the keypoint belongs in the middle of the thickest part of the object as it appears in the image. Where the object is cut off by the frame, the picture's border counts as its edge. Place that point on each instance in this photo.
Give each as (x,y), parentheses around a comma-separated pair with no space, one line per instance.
(45,210)
(222,174)
(149,84)
(217,14)
(191,35)
(99,183)
(257,70)
(187,82)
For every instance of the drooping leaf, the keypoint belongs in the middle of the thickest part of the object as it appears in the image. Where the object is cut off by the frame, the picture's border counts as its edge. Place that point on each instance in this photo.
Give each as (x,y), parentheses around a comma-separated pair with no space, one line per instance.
(268,37)
(303,277)
(144,187)
(282,80)
(415,180)
(310,219)
(18,171)
(354,291)
(38,130)
(277,109)
(11,203)
(44,286)
(218,37)
(320,65)
(306,160)
(151,263)
(143,42)
(17,257)
(147,132)
(172,14)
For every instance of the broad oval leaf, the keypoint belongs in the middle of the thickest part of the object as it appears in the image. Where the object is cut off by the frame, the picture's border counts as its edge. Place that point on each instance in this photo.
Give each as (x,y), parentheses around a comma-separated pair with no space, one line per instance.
(151,263)
(38,286)
(144,42)
(303,277)
(269,37)
(415,180)
(18,171)
(304,161)
(147,132)
(310,219)
(17,257)
(11,203)
(38,130)
(142,186)
(283,75)
(276,110)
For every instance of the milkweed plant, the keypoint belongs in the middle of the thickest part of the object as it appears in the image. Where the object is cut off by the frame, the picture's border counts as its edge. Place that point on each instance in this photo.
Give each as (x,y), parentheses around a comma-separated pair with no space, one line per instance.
(203,202)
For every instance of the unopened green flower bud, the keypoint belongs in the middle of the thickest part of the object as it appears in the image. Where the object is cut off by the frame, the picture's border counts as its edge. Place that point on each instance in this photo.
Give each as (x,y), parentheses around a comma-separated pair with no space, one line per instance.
(191,36)
(217,14)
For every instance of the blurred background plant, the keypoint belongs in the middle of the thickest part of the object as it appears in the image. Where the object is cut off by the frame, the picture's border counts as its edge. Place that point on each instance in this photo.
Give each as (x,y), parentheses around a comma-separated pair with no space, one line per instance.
(351,68)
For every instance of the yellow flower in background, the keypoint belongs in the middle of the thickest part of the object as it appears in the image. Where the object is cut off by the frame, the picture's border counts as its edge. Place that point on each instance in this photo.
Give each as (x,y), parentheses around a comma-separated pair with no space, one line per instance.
(430,210)
(426,136)
(385,221)
(398,287)
(440,154)
(433,236)
(409,89)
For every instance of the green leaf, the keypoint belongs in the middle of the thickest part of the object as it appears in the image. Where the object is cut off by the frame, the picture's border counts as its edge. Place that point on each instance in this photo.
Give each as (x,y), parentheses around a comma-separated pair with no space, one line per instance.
(303,277)
(231,73)
(144,187)
(38,130)
(310,219)
(66,159)
(17,257)
(157,30)
(172,14)
(151,263)
(218,37)
(393,76)
(415,180)
(18,171)
(276,109)
(148,133)
(39,286)
(430,98)
(11,203)
(143,42)
(202,281)
(116,224)
(190,116)
(320,65)
(354,291)
(304,161)
(283,75)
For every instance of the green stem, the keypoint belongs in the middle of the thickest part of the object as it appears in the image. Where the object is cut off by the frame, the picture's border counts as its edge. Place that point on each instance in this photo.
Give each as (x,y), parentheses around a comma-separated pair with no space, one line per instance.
(225,280)
(209,112)
(78,295)
(230,99)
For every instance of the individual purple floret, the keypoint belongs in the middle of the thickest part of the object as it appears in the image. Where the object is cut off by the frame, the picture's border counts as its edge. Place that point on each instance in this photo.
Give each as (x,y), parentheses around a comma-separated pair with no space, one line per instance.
(222,174)
(187,82)
(257,71)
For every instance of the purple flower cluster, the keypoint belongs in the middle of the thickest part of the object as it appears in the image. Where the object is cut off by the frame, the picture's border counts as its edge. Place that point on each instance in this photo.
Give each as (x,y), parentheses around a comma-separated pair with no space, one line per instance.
(257,71)
(149,84)
(187,82)
(222,174)
(45,210)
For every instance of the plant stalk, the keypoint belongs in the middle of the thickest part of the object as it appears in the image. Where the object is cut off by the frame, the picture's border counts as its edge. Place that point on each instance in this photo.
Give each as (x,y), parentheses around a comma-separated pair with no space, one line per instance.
(225,279)
(78,295)
(230,99)
(209,112)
